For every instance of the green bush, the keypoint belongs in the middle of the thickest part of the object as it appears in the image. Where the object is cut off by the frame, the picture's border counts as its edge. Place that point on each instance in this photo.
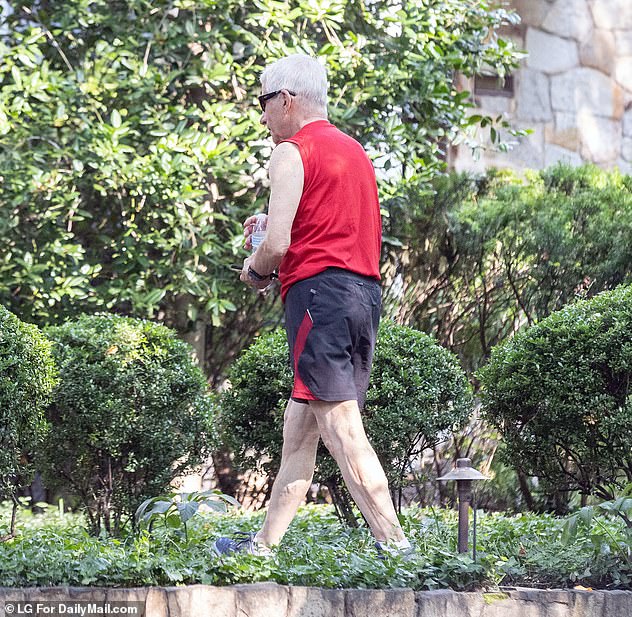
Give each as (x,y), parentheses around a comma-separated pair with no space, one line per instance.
(27,377)
(559,393)
(417,394)
(131,413)
(483,257)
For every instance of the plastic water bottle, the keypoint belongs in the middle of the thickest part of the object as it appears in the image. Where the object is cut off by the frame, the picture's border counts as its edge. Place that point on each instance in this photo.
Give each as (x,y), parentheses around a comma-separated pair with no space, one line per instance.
(258,231)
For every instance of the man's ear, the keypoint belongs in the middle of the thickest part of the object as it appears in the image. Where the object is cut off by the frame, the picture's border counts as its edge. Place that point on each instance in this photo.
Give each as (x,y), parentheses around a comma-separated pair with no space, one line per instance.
(287,101)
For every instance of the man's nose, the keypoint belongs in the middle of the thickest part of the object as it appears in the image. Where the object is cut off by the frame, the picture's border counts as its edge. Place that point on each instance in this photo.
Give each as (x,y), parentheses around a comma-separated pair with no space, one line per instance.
(263,119)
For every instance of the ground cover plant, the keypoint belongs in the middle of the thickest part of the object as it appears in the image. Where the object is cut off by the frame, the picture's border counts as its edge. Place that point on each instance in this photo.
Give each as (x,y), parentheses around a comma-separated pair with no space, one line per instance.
(529,550)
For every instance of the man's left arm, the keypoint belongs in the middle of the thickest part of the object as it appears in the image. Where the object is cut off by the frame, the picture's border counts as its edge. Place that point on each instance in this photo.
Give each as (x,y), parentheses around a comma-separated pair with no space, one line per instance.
(286,188)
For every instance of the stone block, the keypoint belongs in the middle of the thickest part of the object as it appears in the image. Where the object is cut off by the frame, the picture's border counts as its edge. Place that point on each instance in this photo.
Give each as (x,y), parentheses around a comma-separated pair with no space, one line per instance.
(194,600)
(549,53)
(569,18)
(625,168)
(262,600)
(599,52)
(587,603)
(600,138)
(156,604)
(91,594)
(380,603)
(316,602)
(136,595)
(433,603)
(11,594)
(557,603)
(623,42)
(541,603)
(626,149)
(563,131)
(495,105)
(617,603)
(68,596)
(532,12)
(533,96)
(466,604)
(133,594)
(623,72)
(449,603)
(612,14)
(49,594)
(462,159)
(500,604)
(528,152)
(586,89)
(556,154)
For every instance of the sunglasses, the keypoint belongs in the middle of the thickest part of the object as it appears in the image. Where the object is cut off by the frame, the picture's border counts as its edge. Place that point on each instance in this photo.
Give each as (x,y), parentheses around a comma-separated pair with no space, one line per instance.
(264,98)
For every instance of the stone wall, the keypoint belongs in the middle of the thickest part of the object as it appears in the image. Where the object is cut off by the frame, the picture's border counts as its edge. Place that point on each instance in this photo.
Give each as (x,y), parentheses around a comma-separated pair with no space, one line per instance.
(271,600)
(574,90)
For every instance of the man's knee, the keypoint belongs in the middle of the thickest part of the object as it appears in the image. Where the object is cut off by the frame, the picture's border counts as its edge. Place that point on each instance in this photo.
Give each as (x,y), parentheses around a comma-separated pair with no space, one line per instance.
(296,489)
(344,440)
(300,429)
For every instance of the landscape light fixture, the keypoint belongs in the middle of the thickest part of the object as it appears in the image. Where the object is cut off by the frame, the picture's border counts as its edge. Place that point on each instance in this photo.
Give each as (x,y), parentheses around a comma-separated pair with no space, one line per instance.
(464,475)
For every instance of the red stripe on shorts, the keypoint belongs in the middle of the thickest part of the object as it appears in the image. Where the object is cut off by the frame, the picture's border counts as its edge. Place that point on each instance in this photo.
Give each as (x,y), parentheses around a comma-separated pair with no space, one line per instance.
(300,389)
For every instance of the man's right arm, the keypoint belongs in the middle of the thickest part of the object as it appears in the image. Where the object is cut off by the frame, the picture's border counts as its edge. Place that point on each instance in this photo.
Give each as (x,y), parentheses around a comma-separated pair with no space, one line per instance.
(286,189)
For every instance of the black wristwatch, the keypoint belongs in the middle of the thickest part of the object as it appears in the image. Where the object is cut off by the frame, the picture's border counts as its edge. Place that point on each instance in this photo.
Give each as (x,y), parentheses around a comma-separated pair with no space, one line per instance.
(255,276)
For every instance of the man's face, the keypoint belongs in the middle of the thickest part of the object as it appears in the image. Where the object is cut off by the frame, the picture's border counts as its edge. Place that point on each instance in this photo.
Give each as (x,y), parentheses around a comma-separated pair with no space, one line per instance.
(275,117)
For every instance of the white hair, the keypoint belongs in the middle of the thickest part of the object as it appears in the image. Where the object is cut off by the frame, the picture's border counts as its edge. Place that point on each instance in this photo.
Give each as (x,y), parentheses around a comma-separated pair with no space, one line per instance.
(301,74)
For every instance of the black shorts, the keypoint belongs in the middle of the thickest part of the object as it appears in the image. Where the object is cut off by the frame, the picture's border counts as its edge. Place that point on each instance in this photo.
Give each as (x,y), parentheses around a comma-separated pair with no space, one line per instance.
(331,321)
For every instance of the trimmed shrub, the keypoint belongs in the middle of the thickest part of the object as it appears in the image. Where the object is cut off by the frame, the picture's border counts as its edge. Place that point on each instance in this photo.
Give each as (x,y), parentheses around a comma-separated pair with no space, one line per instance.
(559,393)
(131,413)
(484,256)
(418,393)
(27,378)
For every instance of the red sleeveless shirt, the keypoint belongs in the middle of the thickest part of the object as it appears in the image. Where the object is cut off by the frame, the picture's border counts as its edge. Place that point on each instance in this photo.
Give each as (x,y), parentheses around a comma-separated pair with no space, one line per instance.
(338,222)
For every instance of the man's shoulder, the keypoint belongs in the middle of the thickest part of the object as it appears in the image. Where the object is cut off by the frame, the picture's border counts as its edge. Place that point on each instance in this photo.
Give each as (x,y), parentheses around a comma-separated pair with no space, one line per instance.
(285,159)
(285,150)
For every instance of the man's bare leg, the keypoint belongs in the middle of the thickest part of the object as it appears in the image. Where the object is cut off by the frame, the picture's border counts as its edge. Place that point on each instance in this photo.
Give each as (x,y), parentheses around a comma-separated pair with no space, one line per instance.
(343,434)
(298,458)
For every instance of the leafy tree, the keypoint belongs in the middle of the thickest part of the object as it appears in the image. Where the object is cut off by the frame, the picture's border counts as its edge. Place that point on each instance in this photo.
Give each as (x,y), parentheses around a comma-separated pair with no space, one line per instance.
(482,257)
(559,393)
(418,393)
(131,413)
(130,149)
(27,378)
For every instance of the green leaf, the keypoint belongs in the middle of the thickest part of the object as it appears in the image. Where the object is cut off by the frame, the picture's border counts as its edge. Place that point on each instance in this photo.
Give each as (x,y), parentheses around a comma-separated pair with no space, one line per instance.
(115,119)
(187,509)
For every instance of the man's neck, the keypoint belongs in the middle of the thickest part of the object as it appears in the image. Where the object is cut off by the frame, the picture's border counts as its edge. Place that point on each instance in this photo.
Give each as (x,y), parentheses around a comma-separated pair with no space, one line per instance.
(309,120)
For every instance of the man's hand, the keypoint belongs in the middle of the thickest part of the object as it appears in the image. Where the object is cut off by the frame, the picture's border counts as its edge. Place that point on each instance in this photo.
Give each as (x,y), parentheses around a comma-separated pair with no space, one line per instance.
(249,226)
(246,278)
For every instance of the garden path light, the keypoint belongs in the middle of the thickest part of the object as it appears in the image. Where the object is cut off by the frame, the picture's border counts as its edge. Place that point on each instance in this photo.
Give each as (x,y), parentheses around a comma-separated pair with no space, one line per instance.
(465,475)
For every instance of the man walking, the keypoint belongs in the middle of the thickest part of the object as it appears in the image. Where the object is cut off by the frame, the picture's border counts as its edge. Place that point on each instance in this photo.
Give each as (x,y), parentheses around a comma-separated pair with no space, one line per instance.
(324,236)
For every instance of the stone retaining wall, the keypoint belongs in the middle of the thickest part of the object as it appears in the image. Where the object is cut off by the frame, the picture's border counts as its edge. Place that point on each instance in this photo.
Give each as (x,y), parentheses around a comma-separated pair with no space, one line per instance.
(271,600)
(574,90)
